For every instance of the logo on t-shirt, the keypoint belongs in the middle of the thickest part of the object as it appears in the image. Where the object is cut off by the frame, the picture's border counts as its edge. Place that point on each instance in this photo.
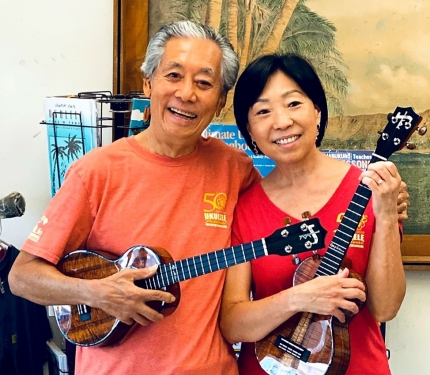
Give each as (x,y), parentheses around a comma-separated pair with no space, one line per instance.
(358,239)
(37,231)
(215,209)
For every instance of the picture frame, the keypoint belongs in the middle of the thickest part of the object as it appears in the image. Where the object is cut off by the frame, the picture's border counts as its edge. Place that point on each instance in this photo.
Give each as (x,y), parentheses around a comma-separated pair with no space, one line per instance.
(131,35)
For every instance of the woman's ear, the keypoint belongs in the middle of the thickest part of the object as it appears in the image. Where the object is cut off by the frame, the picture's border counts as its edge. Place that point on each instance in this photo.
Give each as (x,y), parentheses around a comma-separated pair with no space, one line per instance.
(249,129)
(147,87)
(318,114)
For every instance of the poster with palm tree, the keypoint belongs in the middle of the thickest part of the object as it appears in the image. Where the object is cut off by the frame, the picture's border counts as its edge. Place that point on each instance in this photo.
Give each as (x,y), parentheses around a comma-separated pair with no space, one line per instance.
(71,131)
(371,57)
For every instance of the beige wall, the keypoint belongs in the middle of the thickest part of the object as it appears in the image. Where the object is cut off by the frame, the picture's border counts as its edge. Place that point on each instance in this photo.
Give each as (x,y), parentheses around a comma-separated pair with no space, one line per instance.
(47,47)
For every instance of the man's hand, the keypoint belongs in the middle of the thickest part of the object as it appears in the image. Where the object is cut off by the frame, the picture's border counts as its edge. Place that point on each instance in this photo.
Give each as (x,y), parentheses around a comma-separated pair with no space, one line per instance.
(117,295)
(403,202)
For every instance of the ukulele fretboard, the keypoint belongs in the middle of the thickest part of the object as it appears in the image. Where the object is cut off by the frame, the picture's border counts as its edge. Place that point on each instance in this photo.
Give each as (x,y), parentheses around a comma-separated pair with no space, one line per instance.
(199,265)
(338,247)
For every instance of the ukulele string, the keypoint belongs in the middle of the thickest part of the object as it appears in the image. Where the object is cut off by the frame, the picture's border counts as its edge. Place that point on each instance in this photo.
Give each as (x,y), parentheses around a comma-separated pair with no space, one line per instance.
(174,272)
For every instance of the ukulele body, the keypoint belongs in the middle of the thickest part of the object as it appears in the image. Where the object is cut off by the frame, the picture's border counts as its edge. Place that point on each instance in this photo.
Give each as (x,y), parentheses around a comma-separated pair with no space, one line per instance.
(88,326)
(323,339)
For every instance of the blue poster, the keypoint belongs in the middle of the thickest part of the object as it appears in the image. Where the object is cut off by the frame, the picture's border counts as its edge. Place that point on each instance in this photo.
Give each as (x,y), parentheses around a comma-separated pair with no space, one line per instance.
(359,158)
(230,134)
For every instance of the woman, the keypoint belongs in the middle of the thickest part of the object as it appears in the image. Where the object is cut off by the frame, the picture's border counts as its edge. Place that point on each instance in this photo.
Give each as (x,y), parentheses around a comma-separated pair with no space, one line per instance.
(281,111)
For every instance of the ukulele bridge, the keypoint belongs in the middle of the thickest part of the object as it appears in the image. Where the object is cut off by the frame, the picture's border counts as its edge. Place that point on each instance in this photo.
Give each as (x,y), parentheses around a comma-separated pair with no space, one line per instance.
(290,347)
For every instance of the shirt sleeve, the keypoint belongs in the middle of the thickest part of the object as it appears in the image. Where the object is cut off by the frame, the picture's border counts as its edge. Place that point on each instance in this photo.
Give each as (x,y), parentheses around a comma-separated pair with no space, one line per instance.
(65,224)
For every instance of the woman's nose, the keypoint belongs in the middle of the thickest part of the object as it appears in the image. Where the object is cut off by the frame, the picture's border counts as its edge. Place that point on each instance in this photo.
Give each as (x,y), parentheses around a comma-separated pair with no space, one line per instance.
(283,118)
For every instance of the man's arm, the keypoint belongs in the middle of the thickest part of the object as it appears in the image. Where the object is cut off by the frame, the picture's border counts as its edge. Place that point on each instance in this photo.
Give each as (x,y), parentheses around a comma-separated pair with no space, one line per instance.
(37,280)
(403,202)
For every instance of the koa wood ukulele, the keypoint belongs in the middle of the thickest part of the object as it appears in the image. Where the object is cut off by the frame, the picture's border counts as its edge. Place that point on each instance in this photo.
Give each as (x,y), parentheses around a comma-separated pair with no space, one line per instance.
(86,326)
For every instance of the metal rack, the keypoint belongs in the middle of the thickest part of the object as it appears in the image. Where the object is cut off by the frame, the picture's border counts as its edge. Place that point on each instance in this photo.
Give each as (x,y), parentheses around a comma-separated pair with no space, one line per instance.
(112,123)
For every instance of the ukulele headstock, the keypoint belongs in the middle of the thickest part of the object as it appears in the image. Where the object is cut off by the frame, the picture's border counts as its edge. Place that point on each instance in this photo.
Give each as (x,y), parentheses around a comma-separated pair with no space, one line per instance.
(401,124)
(307,235)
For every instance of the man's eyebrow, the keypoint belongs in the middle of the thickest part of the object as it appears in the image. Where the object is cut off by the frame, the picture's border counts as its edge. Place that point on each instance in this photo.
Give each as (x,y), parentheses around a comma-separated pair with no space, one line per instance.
(174,64)
(209,71)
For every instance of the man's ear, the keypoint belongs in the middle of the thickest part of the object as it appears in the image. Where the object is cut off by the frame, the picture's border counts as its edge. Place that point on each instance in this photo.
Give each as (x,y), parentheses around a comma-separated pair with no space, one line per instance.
(147,87)
(221,103)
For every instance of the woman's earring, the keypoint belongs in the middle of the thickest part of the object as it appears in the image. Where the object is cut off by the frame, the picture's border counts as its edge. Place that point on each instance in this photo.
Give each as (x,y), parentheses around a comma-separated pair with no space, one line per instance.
(318,130)
(255,147)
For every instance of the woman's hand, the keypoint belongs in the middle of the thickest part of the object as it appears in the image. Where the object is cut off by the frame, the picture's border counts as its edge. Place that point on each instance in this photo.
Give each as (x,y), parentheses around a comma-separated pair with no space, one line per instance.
(384,180)
(329,295)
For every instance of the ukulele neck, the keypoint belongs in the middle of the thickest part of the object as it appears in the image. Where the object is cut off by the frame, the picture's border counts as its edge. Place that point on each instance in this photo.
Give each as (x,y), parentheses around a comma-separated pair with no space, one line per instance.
(200,265)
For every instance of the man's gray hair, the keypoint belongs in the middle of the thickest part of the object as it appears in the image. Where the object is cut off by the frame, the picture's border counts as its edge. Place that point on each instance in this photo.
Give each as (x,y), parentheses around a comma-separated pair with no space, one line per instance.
(189,29)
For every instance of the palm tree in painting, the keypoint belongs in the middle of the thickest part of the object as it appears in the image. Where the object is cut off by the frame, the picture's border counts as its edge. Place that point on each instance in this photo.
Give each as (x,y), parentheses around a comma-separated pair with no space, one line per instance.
(257,27)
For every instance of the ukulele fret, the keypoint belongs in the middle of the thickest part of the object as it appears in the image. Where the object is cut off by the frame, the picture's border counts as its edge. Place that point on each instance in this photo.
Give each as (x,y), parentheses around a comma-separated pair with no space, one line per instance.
(346,234)
(376,156)
(341,239)
(166,274)
(208,264)
(350,219)
(151,283)
(331,269)
(188,266)
(346,226)
(359,205)
(355,213)
(253,250)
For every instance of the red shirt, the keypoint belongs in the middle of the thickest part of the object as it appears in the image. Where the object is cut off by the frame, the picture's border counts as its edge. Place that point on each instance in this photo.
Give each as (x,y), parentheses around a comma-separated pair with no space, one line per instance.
(273,274)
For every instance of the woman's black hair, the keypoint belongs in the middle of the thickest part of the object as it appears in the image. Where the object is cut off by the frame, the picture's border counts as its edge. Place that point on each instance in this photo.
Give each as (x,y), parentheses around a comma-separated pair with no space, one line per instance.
(254,78)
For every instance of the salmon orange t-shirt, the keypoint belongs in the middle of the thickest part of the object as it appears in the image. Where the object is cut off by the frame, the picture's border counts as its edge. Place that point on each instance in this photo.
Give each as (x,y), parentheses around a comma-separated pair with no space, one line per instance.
(121,195)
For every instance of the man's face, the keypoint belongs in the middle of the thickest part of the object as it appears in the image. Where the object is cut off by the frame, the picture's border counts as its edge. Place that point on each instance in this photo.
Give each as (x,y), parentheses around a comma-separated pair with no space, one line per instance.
(186,89)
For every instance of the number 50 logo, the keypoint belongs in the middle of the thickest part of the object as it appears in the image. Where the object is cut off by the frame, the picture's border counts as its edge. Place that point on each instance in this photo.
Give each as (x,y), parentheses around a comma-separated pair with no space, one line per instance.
(216,201)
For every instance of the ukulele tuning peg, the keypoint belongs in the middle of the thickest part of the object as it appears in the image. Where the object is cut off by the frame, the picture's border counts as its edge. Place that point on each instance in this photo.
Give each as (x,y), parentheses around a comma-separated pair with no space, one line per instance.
(305,216)
(285,233)
(411,146)
(296,260)
(288,249)
(422,130)
(286,221)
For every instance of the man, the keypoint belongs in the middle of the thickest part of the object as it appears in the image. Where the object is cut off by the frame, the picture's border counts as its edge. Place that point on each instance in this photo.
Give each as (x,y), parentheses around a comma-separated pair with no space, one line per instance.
(155,189)
(158,189)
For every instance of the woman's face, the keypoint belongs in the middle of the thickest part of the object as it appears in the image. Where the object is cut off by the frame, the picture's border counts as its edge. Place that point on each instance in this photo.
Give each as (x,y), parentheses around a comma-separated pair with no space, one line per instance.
(283,121)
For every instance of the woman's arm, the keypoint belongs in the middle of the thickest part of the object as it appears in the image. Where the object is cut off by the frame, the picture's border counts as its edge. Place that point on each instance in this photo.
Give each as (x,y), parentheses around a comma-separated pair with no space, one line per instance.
(385,276)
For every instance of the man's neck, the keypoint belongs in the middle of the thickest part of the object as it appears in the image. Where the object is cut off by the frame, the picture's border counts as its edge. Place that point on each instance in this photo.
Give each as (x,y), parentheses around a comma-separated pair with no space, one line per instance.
(172,149)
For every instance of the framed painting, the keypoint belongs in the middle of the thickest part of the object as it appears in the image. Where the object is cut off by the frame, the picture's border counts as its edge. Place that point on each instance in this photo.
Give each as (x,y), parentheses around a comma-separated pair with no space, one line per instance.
(370,61)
